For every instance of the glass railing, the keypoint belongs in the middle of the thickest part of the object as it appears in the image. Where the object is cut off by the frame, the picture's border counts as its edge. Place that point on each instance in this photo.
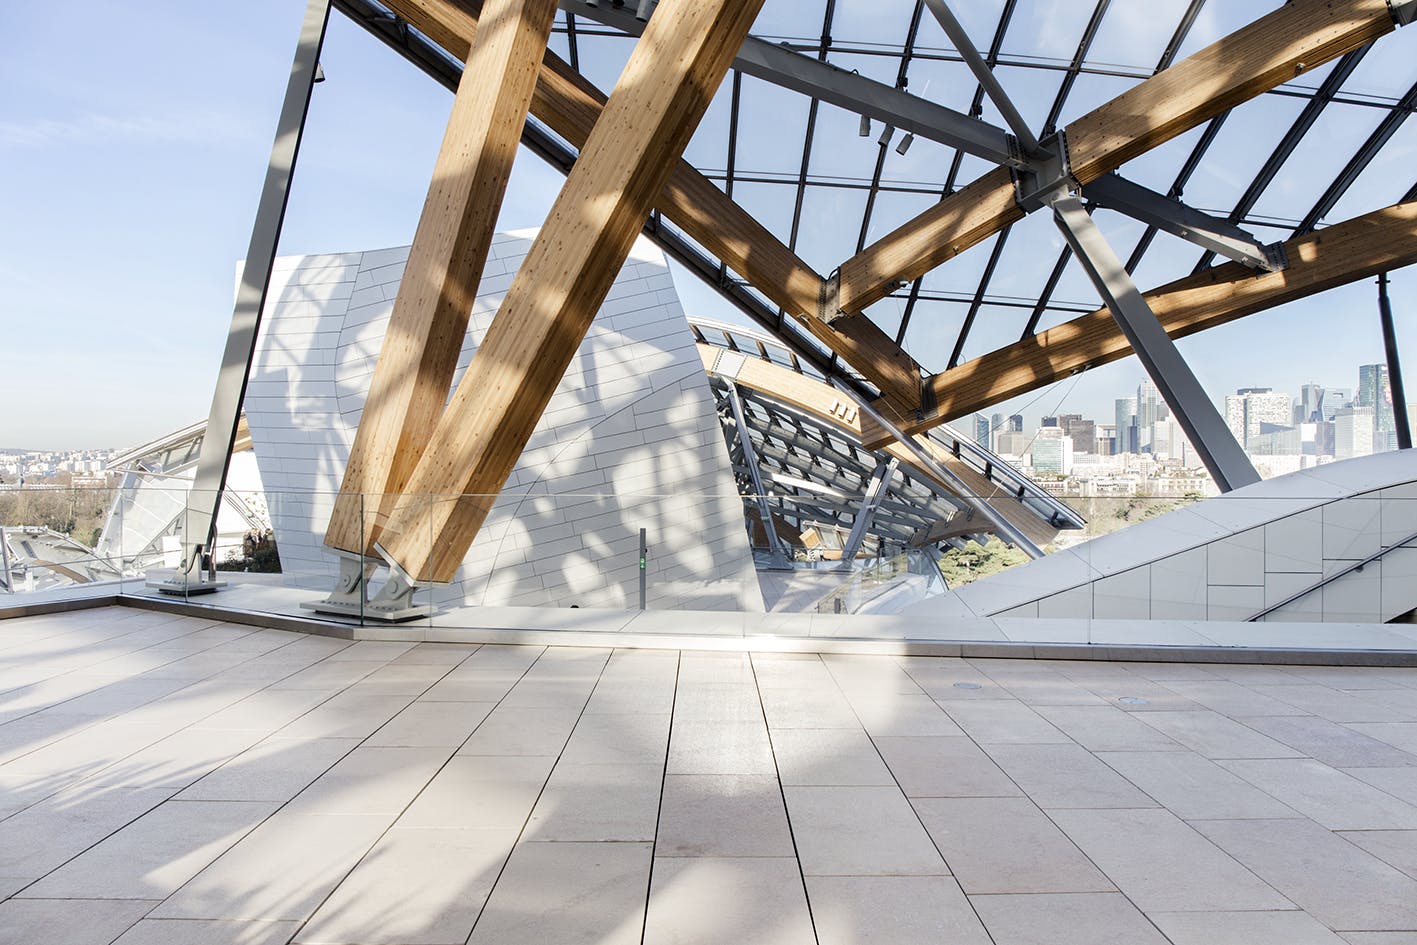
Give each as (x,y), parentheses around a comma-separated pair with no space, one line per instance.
(1143,570)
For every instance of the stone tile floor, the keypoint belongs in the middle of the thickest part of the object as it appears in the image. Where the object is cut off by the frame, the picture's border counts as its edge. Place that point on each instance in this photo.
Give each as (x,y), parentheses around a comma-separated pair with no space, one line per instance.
(168,779)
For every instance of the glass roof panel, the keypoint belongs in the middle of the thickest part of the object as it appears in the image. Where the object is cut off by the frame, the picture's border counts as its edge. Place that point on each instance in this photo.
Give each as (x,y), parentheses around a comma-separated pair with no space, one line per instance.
(1386,73)
(1318,158)
(1134,35)
(872,22)
(931,334)
(1240,150)
(830,218)
(1218,19)
(1385,181)
(1047,30)
(766,106)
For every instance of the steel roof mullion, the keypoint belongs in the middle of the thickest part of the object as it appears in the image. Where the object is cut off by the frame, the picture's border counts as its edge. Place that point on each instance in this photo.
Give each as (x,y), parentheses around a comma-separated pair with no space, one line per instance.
(1360,161)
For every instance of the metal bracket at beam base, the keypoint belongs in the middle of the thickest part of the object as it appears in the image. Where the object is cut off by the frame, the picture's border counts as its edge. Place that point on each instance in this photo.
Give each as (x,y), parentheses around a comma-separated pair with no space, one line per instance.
(1049,177)
(350,598)
(1207,431)
(1404,13)
(1172,216)
(195,579)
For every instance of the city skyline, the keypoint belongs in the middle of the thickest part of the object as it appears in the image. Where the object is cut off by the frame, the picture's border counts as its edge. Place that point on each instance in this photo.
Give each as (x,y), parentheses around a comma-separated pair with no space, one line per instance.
(1256,415)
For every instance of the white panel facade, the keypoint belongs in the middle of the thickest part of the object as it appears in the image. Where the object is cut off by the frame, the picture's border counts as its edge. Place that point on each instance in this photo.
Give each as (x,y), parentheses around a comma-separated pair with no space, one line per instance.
(1337,543)
(629,440)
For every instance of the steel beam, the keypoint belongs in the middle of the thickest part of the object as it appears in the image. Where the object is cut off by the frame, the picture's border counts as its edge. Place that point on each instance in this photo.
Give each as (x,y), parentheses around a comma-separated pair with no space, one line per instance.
(1219,236)
(750,459)
(1193,409)
(1404,12)
(985,75)
(876,491)
(1394,368)
(782,66)
(204,499)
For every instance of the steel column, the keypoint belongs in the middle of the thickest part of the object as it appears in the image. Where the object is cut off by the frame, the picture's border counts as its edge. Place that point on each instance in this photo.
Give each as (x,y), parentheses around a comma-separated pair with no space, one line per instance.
(750,459)
(204,500)
(1193,409)
(876,490)
(1394,368)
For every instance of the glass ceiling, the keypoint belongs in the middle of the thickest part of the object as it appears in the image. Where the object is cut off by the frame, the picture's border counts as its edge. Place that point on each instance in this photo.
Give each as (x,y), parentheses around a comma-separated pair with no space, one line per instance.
(1327,146)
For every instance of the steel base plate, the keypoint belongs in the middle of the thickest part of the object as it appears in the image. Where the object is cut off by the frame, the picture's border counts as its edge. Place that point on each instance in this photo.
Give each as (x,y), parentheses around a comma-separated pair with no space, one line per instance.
(186,588)
(350,609)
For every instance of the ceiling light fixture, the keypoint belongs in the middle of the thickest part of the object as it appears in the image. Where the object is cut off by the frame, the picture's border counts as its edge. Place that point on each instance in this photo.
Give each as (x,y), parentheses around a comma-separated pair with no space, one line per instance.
(905,144)
(865,127)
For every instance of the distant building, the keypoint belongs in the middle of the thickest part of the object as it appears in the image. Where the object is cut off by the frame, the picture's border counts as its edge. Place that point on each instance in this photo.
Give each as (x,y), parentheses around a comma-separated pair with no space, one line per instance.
(1126,425)
(1083,432)
(1052,452)
(1353,432)
(1249,409)
(1374,391)
(1310,408)
(1105,440)
(981,430)
(1149,408)
(1011,443)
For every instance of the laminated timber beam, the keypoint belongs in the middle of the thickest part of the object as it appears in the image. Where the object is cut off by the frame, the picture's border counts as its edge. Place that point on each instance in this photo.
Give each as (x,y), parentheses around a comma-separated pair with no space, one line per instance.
(1295,38)
(569,105)
(662,93)
(1346,252)
(445,264)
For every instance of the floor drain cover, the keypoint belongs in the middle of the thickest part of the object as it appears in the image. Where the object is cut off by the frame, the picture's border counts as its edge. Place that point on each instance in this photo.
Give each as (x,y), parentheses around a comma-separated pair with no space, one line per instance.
(1132,700)
(966,685)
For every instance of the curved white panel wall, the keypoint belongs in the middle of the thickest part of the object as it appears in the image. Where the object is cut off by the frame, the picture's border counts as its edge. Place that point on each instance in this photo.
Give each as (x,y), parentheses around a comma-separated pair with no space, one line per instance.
(629,440)
(1234,556)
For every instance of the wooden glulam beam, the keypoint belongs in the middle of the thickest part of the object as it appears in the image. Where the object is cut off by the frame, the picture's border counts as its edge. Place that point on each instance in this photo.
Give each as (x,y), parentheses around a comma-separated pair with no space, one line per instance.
(1376,242)
(440,280)
(569,105)
(1292,40)
(666,86)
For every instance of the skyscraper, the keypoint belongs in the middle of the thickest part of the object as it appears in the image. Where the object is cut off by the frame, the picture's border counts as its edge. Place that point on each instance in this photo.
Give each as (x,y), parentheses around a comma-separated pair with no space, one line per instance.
(1311,404)
(1083,432)
(1251,411)
(981,430)
(1374,391)
(1126,408)
(1150,408)
(1052,451)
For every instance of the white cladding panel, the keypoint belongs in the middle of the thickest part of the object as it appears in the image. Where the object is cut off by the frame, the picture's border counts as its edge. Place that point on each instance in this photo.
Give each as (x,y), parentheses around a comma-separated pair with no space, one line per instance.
(629,440)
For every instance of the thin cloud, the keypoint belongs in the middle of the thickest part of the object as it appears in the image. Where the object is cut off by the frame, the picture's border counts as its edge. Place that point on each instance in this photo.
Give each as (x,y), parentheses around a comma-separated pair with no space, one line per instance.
(93,126)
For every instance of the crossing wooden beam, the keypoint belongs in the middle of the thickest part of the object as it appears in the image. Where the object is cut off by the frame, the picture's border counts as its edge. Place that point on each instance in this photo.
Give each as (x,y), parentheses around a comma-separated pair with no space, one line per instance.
(1376,242)
(666,85)
(1294,39)
(569,105)
(426,329)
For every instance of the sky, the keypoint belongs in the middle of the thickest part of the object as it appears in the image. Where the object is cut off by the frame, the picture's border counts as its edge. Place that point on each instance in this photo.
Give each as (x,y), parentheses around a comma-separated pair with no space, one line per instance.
(134,141)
